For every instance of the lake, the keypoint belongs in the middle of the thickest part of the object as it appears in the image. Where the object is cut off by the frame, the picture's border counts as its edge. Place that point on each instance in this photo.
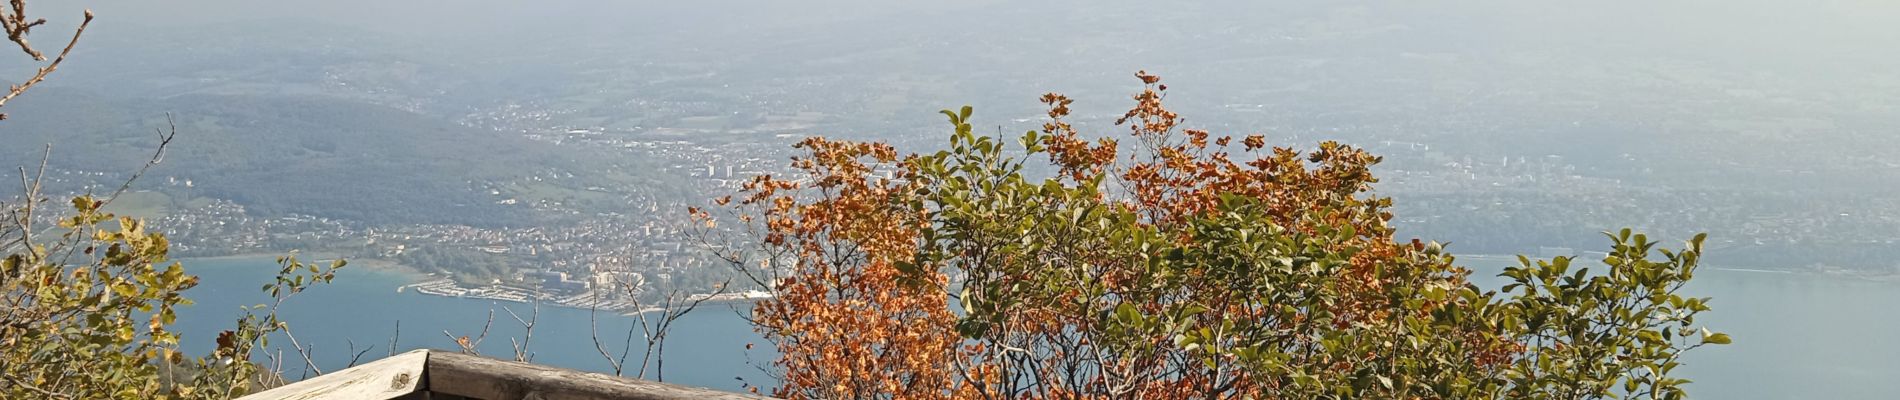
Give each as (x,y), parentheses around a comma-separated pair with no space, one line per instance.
(707,347)
(1796,336)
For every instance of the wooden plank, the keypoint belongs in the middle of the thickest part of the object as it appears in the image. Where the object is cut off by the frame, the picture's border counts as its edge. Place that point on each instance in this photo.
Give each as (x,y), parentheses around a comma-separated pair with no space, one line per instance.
(487,378)
(383,379)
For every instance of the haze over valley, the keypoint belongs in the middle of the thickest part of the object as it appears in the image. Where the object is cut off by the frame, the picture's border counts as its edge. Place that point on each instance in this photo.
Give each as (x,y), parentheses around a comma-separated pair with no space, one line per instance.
(537,151)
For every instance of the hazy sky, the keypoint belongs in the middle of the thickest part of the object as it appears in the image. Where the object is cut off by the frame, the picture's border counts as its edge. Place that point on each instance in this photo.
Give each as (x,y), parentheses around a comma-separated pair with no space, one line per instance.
(1828,60)
(1826,32)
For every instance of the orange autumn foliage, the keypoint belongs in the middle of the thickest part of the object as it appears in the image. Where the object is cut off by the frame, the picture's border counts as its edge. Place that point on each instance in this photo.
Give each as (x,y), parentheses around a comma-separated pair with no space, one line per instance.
(1170,271)
(839,313)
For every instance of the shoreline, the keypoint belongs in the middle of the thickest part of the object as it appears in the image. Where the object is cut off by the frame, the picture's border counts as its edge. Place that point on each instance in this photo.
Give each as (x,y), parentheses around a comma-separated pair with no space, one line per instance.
(444,287)
(1763,271)
(1836,273)
(410,274)
(413,279)
(1513,259)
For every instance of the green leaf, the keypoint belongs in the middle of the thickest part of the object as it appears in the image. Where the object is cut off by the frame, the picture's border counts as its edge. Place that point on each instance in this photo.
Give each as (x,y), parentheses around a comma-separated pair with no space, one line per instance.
(1126,313)
(1718,338)
(1650,337)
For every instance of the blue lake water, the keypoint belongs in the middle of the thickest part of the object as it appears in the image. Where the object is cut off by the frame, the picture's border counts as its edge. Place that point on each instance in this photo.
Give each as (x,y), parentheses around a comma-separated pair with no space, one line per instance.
(1796,336)
(707,347)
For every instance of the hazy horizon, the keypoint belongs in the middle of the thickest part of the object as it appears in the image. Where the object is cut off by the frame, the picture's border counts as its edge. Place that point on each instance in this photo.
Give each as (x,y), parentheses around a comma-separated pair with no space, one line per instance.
(497,141)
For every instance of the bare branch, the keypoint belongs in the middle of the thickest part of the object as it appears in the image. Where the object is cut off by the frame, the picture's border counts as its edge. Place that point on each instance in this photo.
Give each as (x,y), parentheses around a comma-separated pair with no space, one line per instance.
(158,156)
(16,31)
(392,339)
(469,346)
(32,190)
(17,27)
(309,365)
(593,332)
(521,348)
(677,304)
(359,354)
(627,347)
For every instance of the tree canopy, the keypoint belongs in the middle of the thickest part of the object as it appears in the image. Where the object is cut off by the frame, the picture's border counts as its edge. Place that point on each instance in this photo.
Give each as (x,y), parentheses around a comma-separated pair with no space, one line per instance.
(1171,263)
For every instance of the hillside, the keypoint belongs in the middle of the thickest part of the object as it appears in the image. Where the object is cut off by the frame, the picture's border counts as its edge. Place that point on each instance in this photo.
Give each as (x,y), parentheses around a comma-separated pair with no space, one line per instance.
(310,155)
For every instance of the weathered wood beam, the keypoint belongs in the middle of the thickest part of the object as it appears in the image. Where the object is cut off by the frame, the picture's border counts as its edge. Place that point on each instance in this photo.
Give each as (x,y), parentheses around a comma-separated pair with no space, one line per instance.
(384,379)
(449,375)
(487,378)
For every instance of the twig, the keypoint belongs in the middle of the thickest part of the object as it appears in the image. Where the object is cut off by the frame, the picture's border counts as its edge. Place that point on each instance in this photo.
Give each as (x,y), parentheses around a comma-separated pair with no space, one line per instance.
(468,346)
(32,197)
(277,369)
(309,366)
(359,354)
(521,348)
(593,330)
(627,347)
(17,28)
(392,338)
(29,386)
(17,33)
(158,156)
(276,365)
(656,333)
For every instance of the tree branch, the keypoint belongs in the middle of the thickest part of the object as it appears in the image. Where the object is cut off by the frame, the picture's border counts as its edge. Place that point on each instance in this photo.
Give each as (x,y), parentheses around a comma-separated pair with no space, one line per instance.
(17,33)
